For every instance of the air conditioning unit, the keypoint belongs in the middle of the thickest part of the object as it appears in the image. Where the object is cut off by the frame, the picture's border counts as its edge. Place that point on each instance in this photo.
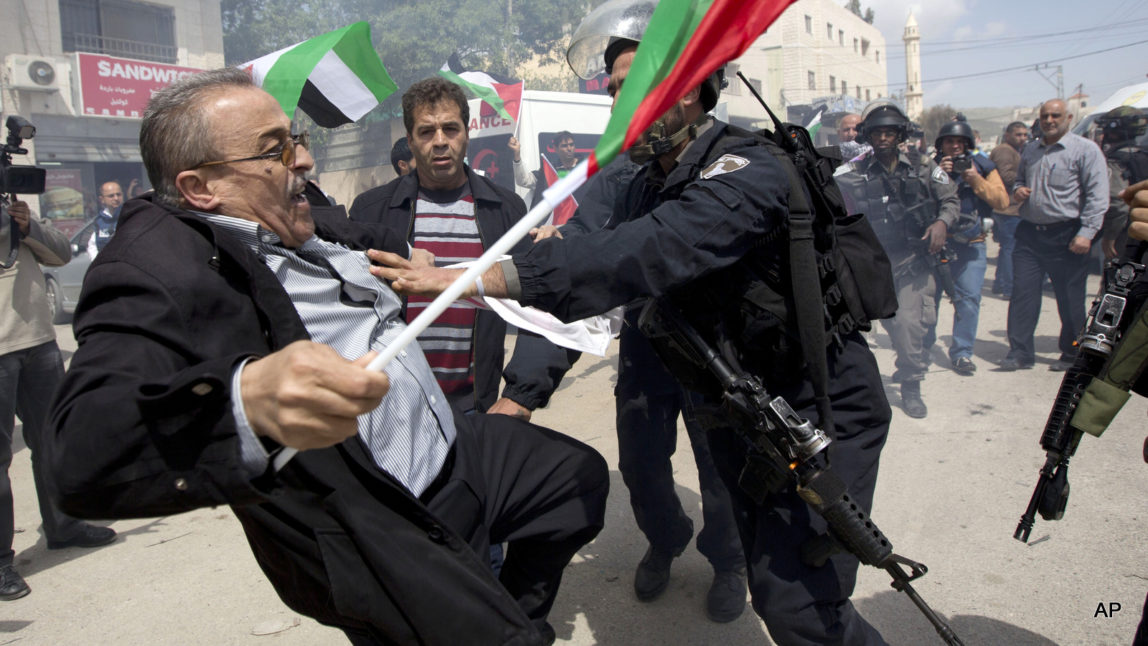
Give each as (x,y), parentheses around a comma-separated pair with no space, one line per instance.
(37,73)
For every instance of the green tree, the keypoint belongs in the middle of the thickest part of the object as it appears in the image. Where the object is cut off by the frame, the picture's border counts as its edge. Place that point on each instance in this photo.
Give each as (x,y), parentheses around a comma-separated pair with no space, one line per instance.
(933,118)
(855,7)
(413,37)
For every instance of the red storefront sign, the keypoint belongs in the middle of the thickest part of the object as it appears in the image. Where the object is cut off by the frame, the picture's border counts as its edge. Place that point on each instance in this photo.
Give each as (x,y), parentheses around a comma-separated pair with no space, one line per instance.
(121,87)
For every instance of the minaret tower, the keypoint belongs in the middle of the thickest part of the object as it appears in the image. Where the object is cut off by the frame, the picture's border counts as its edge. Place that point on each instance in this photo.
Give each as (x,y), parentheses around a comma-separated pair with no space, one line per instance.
(914,97)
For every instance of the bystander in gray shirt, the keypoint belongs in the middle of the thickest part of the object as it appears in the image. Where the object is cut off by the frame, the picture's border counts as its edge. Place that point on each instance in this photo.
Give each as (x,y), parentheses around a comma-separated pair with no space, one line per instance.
(1069,181)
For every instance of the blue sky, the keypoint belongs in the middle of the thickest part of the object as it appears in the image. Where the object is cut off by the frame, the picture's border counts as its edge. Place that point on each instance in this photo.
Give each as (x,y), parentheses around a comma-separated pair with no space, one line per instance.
(977,37)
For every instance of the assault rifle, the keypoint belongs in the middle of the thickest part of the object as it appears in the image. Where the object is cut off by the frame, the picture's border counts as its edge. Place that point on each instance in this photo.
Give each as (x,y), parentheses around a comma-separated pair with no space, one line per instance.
(1109,319)
(938,263)
(784,449)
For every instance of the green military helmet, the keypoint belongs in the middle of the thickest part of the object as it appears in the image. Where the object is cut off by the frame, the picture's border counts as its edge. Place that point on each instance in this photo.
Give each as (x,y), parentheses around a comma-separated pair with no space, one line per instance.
(1124,123)
(882,113)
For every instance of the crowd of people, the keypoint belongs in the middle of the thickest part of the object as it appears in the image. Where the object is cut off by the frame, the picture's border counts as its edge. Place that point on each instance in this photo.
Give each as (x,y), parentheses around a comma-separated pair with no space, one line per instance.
(231,312)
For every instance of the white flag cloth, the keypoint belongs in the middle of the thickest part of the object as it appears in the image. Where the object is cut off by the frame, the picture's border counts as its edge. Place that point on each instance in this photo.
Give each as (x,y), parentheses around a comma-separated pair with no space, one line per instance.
(587,335)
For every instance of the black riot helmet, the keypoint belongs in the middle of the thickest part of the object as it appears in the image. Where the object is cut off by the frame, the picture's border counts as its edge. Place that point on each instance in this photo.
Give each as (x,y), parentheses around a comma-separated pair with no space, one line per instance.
(882,113)
(959,128)
(1121,124)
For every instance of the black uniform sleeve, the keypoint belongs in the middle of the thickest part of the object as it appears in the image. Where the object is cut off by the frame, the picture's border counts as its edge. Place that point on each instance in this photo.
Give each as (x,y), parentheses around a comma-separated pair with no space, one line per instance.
(537,366)
(712,224)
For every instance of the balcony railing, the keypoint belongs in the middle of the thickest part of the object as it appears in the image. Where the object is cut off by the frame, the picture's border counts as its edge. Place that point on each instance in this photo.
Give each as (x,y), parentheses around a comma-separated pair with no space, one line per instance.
(96,44)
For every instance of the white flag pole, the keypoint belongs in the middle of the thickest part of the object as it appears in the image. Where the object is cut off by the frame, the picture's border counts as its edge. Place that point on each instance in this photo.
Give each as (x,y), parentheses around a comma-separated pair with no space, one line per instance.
(551,198)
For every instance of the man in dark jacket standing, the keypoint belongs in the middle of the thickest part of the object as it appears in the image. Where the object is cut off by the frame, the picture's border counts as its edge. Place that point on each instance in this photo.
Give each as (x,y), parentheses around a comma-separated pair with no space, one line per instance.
(223,323)
(446,209)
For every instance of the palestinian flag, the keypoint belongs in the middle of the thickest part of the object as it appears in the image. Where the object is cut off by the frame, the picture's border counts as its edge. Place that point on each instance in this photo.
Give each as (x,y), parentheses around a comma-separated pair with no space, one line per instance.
(566,208)
(499,92)
(814,125)
(335,78)
(685,42)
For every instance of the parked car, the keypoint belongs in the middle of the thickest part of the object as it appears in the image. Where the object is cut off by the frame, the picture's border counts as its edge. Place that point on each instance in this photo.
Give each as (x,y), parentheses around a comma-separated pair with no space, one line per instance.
(63,283)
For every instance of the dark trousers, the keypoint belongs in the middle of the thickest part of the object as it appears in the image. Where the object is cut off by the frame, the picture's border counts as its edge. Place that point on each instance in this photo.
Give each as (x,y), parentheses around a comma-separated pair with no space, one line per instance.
(28,381)
(802,604)
(1043,250)
(541,492)
(648,402)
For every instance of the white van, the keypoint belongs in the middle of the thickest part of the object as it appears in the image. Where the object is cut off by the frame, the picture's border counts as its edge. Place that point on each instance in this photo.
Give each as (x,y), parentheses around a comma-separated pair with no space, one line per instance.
(1133,95)
(543,115)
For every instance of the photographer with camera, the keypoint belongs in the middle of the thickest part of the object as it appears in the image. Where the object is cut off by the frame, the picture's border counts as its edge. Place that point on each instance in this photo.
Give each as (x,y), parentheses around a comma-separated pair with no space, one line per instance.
(30,363)
(981,191)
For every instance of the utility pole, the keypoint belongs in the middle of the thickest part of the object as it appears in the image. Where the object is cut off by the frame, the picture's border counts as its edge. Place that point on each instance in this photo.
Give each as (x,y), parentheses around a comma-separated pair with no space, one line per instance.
(1059,84)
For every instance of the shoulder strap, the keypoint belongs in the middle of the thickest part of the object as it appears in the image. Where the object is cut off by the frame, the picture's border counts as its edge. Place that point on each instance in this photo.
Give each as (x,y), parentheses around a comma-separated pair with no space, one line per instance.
(803,272)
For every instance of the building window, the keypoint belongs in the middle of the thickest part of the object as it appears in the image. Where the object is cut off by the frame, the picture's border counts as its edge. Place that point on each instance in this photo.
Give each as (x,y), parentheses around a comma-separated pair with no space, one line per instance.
(867,95)
(855,50)
(858,92)
(809,24)
(756,85)
(829,30)
(832,84)
(118,28)
(865,48)
(841,37)
(734,87)
(878,53)
(844,87)
(812,81)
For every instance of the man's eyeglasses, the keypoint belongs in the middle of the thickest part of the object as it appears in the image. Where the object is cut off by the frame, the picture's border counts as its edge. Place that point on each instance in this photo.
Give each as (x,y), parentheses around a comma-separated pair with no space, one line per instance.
(285,153)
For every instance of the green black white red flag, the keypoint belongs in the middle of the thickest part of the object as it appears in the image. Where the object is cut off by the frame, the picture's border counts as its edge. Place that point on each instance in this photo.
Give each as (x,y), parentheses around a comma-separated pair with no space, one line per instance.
(335,78)
(499,92)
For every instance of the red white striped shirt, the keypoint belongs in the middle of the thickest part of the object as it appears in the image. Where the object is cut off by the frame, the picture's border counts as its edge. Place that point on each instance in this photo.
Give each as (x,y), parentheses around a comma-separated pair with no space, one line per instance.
(445,226)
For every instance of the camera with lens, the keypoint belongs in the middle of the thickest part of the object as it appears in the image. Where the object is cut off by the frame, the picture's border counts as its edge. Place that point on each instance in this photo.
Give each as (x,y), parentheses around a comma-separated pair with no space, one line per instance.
(962,163)
(28,180)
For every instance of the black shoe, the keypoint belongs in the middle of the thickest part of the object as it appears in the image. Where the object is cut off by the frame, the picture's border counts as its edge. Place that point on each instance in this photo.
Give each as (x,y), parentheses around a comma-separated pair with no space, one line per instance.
(86,536)
(726,598)
(1009,364)
(911,401)
(964,366)
(653,574)
(12,585)
(1063,363)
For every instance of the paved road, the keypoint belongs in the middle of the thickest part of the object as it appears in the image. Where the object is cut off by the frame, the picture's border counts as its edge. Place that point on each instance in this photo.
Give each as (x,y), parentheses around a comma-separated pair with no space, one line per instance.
(950,492)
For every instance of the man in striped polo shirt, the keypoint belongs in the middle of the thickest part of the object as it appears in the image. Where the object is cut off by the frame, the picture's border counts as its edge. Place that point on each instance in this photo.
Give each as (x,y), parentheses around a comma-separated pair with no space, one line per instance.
(446,209)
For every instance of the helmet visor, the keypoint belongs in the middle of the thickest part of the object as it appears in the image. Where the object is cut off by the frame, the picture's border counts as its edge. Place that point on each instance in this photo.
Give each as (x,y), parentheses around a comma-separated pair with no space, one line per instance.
(614,19)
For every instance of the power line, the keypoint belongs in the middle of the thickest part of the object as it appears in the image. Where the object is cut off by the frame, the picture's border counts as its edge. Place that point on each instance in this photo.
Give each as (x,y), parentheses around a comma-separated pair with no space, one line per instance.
(1030,65)
(928,49)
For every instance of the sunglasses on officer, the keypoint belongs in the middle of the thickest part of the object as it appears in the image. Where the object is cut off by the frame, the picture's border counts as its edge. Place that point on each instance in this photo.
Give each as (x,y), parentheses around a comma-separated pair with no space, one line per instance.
(285,152)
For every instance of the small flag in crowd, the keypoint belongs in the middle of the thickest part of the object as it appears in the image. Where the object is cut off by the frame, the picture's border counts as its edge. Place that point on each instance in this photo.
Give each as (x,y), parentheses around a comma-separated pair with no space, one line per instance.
(335,78)
(684,43)
(814,124)
(499,92)
(566,208)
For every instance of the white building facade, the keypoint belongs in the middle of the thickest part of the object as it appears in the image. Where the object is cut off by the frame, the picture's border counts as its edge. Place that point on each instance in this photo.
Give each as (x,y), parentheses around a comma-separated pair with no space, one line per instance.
(817,53)
(82,70)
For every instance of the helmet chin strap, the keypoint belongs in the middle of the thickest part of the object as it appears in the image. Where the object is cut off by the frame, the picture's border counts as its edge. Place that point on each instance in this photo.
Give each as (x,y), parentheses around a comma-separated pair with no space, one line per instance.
(658,143)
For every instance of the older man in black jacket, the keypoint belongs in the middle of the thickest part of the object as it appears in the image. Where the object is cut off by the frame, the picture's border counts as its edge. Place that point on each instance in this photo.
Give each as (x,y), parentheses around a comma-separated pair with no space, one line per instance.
(219,326)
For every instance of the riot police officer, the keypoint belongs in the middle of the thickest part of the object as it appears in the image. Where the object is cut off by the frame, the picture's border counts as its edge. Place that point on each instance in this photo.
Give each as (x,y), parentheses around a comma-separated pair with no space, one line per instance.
(1127,164)
(912,206)
(706,210)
